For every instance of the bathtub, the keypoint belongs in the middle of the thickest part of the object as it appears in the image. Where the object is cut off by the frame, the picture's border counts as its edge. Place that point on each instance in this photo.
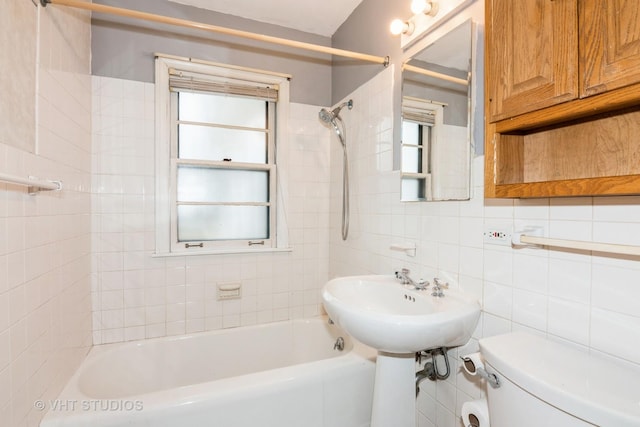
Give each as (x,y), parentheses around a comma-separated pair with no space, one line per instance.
(284,374)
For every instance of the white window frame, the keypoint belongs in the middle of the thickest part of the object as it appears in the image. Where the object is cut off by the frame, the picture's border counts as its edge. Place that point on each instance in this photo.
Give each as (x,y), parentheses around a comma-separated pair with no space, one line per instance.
(430,147)
(166,160)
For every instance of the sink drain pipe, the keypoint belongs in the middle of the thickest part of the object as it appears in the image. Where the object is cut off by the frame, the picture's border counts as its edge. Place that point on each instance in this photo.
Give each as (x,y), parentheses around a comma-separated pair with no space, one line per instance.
(430,369)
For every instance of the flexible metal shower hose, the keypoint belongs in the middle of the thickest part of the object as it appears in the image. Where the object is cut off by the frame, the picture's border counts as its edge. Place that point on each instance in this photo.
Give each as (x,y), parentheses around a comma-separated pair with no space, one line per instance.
(345,193)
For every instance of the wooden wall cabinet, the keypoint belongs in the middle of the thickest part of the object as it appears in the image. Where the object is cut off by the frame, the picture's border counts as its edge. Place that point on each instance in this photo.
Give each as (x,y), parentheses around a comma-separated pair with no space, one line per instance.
(563,98)
(609,45)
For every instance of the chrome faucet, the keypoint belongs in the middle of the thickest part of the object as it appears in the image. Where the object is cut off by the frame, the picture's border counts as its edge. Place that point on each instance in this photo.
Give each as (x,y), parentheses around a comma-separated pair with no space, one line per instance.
(403,276)
(438,284)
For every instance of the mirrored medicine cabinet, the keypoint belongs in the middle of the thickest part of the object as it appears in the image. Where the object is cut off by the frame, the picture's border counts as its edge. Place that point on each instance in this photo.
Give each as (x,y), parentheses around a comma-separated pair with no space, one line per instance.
(436,119)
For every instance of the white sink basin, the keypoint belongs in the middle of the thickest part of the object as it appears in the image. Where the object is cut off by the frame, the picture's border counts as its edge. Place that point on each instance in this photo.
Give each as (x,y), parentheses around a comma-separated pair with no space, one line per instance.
(380,312)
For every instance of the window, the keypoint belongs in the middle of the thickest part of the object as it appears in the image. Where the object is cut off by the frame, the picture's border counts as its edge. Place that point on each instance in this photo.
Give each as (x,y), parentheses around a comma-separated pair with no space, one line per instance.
(419,129)
(216,158)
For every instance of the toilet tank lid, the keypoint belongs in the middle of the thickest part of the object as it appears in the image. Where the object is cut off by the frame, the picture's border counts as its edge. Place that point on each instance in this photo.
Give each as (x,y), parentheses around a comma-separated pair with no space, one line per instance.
(590,387)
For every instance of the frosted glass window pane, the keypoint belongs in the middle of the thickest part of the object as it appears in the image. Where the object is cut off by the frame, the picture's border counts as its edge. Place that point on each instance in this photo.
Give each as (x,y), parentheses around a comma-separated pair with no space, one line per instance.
(413,189)
(198,184)
(222,222)
(208,143)
(222,109)
(410,132)
(411,159)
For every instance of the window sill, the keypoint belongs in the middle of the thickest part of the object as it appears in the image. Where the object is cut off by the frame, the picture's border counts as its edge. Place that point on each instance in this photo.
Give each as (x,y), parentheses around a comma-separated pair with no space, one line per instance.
(221,252)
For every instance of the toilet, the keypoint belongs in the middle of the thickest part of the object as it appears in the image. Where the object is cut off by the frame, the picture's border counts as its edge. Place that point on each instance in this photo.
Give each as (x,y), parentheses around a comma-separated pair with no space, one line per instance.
(546,383)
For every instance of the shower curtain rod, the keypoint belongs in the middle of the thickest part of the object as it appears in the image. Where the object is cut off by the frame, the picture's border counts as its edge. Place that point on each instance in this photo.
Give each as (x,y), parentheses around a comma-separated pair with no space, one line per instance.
(214,29)
(418,70)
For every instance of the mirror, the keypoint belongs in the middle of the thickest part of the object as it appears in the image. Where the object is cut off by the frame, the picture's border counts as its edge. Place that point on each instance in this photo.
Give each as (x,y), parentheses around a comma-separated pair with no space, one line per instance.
(436,119)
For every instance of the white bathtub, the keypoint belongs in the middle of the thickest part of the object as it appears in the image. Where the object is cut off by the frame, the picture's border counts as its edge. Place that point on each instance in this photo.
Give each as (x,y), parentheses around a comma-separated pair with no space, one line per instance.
(284,374)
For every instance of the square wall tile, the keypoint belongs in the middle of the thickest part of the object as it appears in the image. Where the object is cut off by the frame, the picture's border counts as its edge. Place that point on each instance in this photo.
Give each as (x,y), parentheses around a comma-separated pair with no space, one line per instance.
(530,309)
(569,320)
(612,332)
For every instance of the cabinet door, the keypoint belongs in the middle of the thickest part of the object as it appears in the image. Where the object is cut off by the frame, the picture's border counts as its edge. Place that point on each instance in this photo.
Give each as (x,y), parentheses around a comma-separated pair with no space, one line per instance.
(609,44)
(532,55)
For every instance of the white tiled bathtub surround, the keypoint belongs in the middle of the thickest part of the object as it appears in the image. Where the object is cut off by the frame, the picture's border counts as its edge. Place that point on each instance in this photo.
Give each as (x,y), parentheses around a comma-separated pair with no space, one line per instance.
(45,318)
(139,296)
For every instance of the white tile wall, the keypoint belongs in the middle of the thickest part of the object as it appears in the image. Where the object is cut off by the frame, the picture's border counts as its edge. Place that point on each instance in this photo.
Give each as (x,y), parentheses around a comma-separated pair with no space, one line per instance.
(585,299)
(45,246)
(137,296)
(450,160)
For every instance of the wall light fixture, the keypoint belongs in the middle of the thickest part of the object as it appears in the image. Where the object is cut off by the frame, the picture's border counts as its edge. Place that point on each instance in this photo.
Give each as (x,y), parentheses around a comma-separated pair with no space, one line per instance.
(418,7)
(398,26)
(427,15)
(423,6)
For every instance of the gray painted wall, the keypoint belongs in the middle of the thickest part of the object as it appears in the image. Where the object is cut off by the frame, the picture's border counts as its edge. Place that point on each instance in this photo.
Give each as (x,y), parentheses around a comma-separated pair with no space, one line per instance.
(366,31)
(124,48)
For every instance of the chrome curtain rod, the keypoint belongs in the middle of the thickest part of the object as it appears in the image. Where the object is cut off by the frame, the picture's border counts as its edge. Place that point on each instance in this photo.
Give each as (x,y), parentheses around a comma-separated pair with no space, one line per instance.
(214,29)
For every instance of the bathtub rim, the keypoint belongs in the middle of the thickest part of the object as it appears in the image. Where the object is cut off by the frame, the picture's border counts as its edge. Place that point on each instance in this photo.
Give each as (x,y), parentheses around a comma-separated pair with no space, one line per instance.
(194,394)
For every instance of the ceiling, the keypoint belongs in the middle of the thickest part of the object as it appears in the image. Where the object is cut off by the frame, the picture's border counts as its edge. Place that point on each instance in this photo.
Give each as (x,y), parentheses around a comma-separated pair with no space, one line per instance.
(312,16)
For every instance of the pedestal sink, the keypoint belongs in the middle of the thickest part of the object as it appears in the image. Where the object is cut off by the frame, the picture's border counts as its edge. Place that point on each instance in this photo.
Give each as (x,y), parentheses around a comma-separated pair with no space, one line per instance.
(397,321)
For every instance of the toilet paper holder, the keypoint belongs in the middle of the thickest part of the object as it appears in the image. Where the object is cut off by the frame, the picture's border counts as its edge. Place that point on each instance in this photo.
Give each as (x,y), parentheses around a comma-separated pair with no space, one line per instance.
(474,367)
(475,413)
(475,422)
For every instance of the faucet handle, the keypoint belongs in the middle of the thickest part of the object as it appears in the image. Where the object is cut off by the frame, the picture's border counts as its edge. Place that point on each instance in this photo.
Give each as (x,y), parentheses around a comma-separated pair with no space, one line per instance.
(403,276)
(440,283)
(438,286)
(421,285)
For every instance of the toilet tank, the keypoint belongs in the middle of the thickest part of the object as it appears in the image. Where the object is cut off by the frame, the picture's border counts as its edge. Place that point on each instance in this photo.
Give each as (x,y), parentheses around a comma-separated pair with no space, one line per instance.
(546,383)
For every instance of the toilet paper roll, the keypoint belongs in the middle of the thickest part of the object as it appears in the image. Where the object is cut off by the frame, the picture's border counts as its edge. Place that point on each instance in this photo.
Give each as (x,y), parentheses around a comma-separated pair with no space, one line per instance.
(475,413)
(472,362)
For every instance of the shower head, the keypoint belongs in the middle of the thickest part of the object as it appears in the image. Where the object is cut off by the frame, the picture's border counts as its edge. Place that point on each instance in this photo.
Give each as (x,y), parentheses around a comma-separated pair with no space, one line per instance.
(330,116)
(333,117)
(326,115)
